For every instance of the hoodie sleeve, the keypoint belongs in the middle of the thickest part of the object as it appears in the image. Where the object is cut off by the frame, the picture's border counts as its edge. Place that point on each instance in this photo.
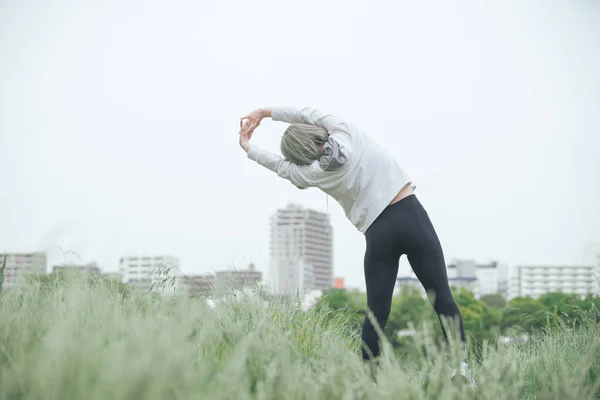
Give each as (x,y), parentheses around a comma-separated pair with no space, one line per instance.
(302,176)
(309,116)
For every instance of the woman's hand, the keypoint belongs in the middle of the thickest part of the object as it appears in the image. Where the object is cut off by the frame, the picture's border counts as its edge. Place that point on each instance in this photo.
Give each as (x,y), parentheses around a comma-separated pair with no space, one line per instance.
(252,120)
(244,138)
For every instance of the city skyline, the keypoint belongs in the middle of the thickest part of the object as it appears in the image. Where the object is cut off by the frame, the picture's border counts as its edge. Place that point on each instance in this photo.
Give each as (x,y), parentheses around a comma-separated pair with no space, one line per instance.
(504,279)
(73,257)
(590,256)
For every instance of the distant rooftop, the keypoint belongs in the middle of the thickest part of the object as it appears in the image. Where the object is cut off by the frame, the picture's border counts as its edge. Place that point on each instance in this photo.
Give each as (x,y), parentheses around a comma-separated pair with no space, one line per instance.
(411,279)
(493,264)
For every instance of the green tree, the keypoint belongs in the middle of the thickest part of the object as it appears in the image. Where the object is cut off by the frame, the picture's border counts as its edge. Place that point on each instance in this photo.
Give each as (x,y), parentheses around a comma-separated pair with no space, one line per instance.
(495,300)
(481,322)
(341,303)
(484,319)
(408,307)
(525,313)
(570,309)
(590,305)
(338,299)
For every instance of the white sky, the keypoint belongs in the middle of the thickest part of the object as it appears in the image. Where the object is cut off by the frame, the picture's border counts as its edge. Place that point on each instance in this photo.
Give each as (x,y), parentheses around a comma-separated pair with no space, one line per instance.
(119,122)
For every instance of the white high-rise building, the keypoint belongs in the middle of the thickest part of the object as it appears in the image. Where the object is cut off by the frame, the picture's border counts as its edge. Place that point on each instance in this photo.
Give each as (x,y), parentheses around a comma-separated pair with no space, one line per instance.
(158,273)
(301,250)
(20,265)
(536,280)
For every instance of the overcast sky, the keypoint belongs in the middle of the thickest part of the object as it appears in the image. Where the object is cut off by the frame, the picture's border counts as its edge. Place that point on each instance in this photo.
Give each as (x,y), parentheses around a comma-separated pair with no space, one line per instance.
(119,122)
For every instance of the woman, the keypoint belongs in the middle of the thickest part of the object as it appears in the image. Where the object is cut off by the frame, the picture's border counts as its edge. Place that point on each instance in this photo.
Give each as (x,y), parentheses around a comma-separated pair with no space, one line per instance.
(327,152)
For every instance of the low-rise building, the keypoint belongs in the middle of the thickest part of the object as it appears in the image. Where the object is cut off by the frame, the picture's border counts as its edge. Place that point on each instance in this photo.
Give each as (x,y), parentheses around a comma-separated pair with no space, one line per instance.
(536,280)
(85,270)
(19,266)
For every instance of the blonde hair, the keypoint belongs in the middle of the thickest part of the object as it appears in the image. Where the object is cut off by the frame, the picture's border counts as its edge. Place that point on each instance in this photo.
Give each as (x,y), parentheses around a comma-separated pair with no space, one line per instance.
(303,144)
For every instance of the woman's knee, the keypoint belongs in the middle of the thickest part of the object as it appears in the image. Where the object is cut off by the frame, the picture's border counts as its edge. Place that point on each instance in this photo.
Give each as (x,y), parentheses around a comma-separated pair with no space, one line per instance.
(380,308)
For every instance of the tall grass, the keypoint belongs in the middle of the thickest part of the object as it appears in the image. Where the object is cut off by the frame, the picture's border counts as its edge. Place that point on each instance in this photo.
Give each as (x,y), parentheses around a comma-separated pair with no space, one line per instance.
(86,341)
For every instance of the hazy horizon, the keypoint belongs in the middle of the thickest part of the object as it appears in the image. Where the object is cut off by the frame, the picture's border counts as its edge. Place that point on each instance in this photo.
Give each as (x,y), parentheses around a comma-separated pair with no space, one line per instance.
(119,123)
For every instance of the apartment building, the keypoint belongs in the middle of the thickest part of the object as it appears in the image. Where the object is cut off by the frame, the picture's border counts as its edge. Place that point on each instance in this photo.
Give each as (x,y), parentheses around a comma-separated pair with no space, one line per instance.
(249,277)
(160,273)
(85,270)
(536,280)
(21,265)
(301,249)
(202,284)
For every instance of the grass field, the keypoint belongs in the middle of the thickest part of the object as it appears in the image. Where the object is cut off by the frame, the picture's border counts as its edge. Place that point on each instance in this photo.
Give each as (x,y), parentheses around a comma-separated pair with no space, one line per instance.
(85,341)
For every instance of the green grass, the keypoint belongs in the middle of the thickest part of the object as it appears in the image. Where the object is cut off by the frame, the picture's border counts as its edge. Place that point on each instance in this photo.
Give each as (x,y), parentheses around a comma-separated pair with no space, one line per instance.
(82,341)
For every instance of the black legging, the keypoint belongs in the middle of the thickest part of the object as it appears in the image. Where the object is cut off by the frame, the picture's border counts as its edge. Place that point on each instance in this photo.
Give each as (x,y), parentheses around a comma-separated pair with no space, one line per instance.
(403,228)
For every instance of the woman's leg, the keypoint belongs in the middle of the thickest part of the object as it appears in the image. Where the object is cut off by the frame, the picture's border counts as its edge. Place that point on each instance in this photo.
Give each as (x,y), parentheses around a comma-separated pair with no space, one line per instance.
(426,258)
(381,271)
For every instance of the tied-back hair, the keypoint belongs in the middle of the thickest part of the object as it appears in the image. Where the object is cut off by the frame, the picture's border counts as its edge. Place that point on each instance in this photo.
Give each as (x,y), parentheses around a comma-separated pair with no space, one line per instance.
(303,144)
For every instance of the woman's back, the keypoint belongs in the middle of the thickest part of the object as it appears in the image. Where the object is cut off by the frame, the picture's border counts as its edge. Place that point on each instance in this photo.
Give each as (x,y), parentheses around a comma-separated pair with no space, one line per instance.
(354,169)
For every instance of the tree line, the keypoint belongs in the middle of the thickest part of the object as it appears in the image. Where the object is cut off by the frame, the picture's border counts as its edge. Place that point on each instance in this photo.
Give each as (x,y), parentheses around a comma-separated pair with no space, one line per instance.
(485,319)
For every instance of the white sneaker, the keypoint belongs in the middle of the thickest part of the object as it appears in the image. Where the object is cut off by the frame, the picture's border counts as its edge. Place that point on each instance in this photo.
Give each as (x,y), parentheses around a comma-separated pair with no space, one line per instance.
(465,374)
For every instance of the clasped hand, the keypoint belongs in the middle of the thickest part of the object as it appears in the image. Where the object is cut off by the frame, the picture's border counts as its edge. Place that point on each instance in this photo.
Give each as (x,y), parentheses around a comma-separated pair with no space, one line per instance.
(248,123)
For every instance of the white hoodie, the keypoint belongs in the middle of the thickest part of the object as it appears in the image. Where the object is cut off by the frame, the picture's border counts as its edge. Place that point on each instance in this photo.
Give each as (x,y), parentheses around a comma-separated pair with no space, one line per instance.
(364,178)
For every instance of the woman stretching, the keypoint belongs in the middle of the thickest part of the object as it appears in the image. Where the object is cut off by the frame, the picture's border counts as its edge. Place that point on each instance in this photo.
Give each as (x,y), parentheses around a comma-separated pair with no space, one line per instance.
(329,153)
